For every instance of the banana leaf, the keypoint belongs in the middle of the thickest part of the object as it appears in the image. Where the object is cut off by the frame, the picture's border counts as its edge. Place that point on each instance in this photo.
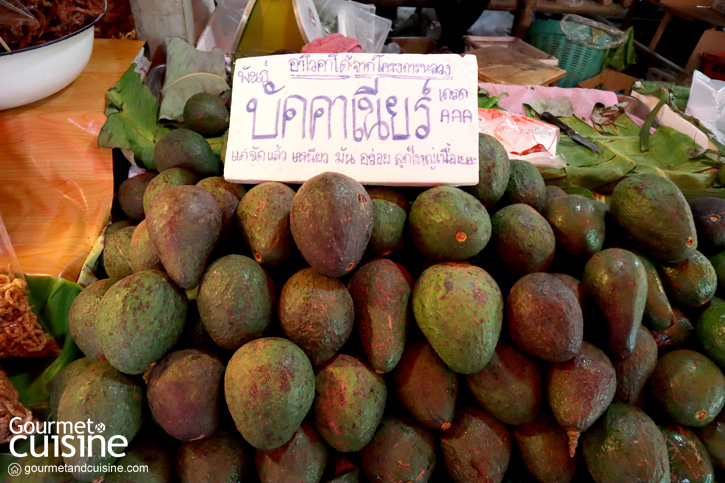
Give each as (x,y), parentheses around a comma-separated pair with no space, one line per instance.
(671,154)
(51,299)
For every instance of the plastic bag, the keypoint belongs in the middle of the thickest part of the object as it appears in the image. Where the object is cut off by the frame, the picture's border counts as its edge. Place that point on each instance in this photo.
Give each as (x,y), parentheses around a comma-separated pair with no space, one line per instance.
(707,103)
(357,21)
(523,138)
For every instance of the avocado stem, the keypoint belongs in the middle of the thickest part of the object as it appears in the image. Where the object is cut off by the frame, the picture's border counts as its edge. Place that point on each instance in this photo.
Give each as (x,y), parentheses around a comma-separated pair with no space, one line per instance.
(573,441)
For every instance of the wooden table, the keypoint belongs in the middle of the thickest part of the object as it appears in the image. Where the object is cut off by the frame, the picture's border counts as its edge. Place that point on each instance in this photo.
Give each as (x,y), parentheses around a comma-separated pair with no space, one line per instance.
(500,65)
(56,185)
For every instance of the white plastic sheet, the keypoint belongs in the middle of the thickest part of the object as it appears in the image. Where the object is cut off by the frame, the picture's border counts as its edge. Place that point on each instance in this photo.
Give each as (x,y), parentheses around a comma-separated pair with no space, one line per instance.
(707,103)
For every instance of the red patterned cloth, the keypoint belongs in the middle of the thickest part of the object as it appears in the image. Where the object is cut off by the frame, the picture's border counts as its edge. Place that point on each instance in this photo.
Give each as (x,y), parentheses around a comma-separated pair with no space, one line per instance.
(332,44)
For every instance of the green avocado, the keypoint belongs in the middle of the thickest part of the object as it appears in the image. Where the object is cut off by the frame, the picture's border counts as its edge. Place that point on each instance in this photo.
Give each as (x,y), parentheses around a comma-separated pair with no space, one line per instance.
(459,309)
(227,195)
(388,229)
(690,283)
(142,254)
(655,216)
(61,381)
(349,403)
(713,437)
(616,281)
(235,301)
(525,185)
(83,318)
(578,227)
(269,387)
(494,170)
(183,251)
(103,396)
(522,240)
(710,330)
(626,445)
(170,177)
(658,313)
(184,148)
(689,387)
(116,253)
(446,223)
(689,460)
(633,372)
(139,320)
(206,114)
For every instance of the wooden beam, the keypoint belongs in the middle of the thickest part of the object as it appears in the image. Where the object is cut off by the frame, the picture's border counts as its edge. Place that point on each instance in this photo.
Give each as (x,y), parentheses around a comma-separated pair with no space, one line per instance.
(660,30)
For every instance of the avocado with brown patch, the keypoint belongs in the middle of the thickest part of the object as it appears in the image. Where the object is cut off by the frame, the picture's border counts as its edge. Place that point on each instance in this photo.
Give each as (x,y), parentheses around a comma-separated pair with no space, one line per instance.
(400,452)
(269,387)
(381,298)
(316,313)
(425,386)
(185,395)
(263,217)
(459,309)
(544,318)
(349,403)
(476,448)
(580,390)
(509,387)
(331,219)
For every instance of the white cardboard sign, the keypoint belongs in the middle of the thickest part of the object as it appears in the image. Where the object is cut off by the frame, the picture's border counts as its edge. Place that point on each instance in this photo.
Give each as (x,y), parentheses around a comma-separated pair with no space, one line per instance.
(380,119)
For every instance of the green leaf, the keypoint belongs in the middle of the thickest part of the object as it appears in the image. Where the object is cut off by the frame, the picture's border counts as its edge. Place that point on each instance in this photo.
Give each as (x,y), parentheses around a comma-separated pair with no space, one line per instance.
(188,72)
(671,154)
(132,123)
(51,299)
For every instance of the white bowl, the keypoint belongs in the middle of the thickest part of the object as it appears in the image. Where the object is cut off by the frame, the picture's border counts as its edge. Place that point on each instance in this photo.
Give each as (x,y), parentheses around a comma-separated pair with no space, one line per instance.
(36,72)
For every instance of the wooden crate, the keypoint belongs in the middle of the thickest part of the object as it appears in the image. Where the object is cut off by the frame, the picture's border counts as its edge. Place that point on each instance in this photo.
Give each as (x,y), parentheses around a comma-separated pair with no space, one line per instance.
(513,43)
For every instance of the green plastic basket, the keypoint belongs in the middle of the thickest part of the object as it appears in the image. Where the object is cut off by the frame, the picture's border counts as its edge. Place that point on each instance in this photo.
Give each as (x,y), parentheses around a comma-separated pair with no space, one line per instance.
(579,60)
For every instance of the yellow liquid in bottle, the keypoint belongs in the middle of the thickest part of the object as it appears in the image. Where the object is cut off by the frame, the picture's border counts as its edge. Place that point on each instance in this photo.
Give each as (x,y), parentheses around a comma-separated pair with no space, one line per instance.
(271,26)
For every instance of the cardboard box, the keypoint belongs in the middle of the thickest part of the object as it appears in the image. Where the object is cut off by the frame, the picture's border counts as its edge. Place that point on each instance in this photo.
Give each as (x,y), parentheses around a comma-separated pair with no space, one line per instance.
(610,80)
(513,43)
(415,45)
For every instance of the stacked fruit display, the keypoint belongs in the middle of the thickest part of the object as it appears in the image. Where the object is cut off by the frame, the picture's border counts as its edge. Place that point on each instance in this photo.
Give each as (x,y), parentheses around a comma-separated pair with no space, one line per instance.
(502,331)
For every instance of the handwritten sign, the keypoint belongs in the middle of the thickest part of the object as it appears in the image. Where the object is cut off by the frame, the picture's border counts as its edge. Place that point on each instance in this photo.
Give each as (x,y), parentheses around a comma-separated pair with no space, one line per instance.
(381,119)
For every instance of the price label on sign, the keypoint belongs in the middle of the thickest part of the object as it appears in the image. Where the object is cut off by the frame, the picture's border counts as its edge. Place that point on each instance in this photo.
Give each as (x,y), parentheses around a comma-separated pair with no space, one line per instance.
(381,119)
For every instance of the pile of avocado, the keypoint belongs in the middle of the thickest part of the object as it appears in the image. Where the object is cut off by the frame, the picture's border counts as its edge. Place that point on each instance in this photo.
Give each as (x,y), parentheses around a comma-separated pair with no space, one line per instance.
(507,331)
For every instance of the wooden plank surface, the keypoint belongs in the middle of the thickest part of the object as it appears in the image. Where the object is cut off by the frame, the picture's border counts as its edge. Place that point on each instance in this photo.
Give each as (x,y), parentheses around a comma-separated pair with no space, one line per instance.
(56,185)
(505,66)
